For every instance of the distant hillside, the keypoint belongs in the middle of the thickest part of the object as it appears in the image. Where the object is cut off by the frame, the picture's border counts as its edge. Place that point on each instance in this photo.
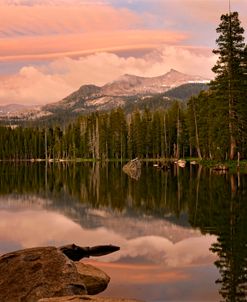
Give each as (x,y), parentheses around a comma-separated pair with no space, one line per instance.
(164,100)
(10,108)
(186,91)
(129,92)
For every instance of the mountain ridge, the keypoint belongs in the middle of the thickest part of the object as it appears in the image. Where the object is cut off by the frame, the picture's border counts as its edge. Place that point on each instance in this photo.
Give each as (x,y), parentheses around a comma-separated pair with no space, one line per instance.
(126,91)
(130,84)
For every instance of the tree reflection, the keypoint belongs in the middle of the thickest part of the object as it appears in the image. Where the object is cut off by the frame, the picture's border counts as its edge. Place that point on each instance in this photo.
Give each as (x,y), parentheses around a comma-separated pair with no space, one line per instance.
(217,204)
(224,215)
(100,185)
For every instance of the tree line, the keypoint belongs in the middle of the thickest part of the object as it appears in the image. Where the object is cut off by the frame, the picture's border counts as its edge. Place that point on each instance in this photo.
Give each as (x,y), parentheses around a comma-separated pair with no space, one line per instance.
(173,133)
(113,135)
(213,125)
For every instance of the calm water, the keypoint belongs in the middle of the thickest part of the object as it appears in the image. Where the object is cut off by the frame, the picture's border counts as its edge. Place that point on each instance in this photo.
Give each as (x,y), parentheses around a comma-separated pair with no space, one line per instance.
(182,233)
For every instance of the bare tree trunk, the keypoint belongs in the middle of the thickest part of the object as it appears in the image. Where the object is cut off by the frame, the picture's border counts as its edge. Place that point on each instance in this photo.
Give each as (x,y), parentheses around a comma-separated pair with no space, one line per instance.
(165,136)
(178,134)
(233,144)
(97,139)
(196,130)
(198,178)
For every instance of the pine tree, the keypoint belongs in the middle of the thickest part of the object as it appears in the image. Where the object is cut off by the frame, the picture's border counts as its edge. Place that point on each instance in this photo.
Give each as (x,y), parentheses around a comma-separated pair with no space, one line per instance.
(229,85)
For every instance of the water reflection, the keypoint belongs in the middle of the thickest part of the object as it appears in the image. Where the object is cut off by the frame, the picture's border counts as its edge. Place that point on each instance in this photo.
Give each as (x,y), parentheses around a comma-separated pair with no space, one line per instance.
(171,225)
(224,214)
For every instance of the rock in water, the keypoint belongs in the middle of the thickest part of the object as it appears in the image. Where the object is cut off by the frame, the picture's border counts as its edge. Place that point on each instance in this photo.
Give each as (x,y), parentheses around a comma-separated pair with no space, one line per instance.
(31,274)
(133,168)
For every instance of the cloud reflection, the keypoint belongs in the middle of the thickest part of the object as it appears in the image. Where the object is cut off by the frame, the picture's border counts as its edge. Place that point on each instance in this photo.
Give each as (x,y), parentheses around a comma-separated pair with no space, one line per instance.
(146,266)
(38,227)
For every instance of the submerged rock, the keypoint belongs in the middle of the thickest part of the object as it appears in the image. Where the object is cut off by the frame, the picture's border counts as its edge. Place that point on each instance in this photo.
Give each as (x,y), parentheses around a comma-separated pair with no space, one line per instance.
(45,272)
(133,168)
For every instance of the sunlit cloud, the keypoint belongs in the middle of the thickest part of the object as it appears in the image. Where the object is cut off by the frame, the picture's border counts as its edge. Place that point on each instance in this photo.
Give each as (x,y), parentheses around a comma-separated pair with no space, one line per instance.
(55,46)
(52,20)
(52,82)
(52,2)
(195,10)
(52,47)
(47,31)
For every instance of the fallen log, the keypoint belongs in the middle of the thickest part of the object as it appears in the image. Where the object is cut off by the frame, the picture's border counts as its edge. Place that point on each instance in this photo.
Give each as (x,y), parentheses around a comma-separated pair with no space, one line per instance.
(76,253)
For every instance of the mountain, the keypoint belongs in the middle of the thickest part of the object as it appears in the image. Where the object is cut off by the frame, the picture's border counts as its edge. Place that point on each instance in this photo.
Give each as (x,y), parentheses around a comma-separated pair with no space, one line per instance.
(10,108)
(128,91)
(133,85)
(186,91)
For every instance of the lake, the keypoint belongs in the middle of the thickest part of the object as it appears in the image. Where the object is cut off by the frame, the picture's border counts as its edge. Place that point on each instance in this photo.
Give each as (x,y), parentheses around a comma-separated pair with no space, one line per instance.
(182,232)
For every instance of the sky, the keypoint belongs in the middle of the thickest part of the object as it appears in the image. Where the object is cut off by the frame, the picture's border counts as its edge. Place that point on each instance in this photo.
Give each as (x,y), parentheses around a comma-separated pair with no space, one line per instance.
(49,48)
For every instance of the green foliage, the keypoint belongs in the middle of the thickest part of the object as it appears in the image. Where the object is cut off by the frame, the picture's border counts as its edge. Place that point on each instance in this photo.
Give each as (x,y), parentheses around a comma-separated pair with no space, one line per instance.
(110,135)
(230,84)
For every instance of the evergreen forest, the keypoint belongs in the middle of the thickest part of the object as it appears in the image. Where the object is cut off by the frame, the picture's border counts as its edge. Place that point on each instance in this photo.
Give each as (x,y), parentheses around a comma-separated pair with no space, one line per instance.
(212,125)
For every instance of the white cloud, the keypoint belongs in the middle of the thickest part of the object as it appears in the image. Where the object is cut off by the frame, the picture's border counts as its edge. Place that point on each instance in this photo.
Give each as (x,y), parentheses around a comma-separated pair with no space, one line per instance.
(54,81)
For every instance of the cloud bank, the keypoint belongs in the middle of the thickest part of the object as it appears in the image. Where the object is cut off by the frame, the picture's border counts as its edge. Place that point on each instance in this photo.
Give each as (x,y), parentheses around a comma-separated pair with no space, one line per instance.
(51,31)
(51,82)
(55,46)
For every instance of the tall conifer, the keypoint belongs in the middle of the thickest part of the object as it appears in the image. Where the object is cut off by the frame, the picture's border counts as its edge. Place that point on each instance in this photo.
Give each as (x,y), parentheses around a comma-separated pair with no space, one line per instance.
(229,85)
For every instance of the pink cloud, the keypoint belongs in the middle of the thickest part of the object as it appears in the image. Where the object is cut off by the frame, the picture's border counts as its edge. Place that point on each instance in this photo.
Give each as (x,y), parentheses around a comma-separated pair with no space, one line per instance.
(48,47)
(49,31)
(52,82)
(76,40)
(206,11)
(46,19)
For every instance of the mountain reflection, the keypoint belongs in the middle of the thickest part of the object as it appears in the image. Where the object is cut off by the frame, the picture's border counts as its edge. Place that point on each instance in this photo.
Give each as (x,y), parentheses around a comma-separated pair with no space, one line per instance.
(164,214)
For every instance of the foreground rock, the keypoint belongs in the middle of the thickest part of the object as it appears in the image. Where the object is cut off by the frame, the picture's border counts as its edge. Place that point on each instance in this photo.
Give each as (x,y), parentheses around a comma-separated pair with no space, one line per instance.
(95,280)
(32,274)
(133,168)
(86,298)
